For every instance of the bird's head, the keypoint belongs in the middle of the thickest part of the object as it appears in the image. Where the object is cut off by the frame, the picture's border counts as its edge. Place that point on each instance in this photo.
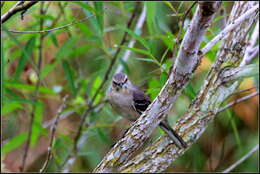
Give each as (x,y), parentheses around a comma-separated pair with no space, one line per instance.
(120,81)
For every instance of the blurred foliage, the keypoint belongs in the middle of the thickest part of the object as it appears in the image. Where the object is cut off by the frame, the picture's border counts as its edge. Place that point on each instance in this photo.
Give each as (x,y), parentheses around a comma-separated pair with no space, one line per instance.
(74,62)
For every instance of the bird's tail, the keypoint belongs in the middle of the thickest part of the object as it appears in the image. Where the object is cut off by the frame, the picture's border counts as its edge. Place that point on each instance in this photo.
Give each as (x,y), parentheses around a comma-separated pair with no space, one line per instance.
(172,134)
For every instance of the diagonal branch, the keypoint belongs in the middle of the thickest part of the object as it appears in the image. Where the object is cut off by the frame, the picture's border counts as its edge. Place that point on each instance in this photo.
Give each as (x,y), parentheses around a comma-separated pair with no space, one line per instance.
(238,101)
(19,6)
(186,63)
(53,29)
(71,158)
(228,29)
(251,152)
(53,130)
(251,50)
(204,107)
(36,93)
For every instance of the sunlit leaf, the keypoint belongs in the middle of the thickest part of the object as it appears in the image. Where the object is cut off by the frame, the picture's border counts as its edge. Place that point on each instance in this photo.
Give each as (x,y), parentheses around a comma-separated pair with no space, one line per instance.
(69,76)
(189,91)
(10,107)
(22,86)
(100,18)
(36,127)
(136,36)
(14,142)
(234,127)
(29,47)
(66,49)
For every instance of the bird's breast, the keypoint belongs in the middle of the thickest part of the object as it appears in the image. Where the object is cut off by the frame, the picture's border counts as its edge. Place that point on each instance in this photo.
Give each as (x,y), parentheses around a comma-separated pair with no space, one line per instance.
(121,102)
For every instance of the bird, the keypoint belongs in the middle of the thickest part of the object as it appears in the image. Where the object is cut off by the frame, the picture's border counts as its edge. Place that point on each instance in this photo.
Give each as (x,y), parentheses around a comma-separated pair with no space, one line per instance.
(130,102)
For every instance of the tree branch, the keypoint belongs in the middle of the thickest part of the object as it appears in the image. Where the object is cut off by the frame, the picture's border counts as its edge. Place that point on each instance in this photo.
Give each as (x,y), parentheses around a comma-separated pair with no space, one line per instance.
(251,50)
(53,29)
(202,110)
(238,101)
(237,73)
(71,158)
(19,6)
(229,28)
(36,93)
(53,130)
(186,63)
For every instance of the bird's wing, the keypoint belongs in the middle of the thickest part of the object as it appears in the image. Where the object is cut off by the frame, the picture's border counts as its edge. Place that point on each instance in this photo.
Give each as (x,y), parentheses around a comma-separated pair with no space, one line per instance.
(140,101)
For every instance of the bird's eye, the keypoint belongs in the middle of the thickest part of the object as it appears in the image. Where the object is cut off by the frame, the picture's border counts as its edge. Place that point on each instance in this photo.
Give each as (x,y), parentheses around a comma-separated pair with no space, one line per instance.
(115,83)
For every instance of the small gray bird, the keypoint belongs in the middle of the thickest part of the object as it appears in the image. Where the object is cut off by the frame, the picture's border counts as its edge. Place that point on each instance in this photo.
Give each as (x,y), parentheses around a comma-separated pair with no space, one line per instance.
(129,101)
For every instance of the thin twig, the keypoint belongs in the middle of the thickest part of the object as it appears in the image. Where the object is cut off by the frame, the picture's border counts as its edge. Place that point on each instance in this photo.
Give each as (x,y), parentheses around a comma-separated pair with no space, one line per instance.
(36,93)
(251,50)
(251,152)
(19,6)
(238,101)
(48,123)
(53,29)
(228,29)
(243,90)
(229,105)
(54,127)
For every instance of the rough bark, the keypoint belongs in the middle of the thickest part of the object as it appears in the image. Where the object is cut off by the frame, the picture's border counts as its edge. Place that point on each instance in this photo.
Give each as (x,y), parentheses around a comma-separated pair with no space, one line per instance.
(186,63)
(205,106)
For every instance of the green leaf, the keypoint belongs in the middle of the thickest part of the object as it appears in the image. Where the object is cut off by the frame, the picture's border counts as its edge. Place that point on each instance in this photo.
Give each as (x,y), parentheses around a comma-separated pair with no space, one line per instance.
(100,18)
(61,148)
(48,68)
(19,100)
(86,6)
(146,60)
(189,91)
(234,127)
(125,66)
(81,50)
(96,84)
(154,87)
(67,48)
(88,10)
(2,68)
(171,7)
(163,78)
(103,136)
(85,29)
(25,53)
(151,16)
(14,142)
(22,86)
(29,47)
(36,127)
(53,39)
(137,50)
(69,76)
(136,36)
(10,107)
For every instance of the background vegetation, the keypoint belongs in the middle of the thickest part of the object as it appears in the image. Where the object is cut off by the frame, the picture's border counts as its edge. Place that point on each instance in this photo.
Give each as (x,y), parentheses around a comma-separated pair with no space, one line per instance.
(74,61)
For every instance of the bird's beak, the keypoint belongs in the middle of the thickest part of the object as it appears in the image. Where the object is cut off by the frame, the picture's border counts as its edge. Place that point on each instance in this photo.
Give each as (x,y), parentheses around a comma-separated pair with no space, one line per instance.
(119,86)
